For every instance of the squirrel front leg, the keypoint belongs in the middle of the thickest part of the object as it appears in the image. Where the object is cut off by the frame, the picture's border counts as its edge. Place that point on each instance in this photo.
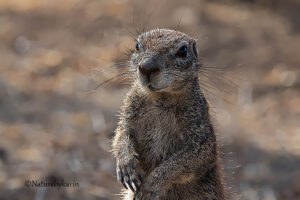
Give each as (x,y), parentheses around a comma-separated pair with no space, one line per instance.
(128,169)
(195,160)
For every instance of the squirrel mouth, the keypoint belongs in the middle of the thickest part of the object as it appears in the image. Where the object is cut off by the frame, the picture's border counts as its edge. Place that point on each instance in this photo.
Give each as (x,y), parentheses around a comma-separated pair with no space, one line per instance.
(152,88)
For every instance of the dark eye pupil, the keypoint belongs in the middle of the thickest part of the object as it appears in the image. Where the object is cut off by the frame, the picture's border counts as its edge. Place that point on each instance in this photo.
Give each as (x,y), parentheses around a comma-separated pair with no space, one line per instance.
(182,52)
(137,46)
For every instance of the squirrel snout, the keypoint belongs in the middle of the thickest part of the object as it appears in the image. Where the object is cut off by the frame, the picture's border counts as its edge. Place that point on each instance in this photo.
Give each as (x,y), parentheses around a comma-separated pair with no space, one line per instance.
(149,67)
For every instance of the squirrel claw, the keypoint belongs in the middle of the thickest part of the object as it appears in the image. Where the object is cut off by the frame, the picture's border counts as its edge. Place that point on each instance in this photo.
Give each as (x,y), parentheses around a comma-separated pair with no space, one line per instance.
(120,177)
(130,186)
(135,182)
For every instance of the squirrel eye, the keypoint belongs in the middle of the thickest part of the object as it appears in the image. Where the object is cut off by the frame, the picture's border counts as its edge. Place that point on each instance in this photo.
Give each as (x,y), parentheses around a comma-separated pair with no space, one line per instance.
(137,46)
(182,52)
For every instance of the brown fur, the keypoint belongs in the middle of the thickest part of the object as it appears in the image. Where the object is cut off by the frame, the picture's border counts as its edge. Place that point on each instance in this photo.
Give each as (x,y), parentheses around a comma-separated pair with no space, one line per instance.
(165,135)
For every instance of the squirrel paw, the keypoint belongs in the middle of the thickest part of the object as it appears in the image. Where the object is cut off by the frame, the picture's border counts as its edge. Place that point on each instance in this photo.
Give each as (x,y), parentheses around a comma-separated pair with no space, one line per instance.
(130,173)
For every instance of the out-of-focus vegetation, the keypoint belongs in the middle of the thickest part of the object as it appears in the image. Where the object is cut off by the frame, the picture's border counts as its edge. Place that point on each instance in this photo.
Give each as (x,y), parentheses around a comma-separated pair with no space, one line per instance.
(51,53)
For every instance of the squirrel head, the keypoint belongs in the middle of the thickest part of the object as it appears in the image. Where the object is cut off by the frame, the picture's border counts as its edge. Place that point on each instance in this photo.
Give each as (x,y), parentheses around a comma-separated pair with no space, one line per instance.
(164,60)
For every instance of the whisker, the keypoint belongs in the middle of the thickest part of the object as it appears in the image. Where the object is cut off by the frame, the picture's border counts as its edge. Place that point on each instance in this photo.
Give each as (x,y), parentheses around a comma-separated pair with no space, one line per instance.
(106,81)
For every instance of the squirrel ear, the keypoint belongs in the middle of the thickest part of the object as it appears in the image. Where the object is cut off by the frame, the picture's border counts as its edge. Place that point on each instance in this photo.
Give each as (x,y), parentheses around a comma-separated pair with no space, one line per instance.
(195,50)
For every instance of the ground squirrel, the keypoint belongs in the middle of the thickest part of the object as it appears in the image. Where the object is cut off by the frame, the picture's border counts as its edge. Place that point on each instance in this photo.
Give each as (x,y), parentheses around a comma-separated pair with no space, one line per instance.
(165,145)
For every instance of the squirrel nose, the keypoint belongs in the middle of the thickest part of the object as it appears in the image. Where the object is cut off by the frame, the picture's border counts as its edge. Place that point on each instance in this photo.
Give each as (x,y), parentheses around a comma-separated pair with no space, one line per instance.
(148,67)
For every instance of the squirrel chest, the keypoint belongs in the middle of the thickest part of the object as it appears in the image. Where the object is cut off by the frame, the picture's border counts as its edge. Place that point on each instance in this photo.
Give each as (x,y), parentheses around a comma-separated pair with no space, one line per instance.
(159,134)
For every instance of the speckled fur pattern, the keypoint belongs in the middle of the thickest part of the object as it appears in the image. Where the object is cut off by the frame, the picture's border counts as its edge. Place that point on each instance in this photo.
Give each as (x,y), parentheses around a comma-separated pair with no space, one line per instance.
(166,136)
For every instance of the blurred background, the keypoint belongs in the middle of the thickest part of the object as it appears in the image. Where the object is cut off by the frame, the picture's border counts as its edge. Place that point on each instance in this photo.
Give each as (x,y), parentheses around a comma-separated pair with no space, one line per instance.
(52,53)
